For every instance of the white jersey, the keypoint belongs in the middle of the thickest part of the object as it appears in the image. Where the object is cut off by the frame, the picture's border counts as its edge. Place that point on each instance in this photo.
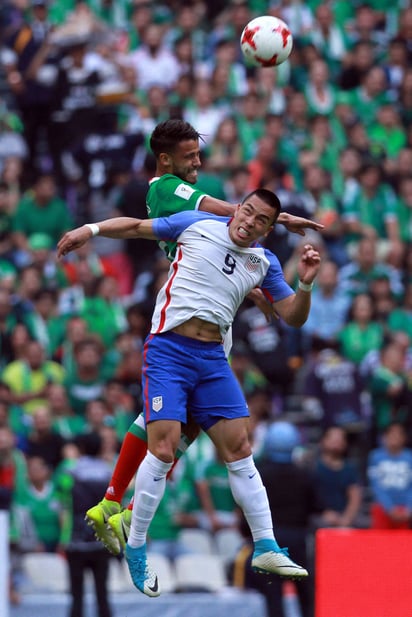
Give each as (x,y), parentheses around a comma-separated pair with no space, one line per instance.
(210,275)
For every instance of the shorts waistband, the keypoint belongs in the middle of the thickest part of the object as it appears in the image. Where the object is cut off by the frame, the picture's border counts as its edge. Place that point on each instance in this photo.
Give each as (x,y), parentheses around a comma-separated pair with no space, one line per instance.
(189,342)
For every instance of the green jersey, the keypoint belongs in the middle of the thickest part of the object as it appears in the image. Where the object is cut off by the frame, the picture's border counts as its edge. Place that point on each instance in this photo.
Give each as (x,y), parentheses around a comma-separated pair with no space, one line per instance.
(168,195)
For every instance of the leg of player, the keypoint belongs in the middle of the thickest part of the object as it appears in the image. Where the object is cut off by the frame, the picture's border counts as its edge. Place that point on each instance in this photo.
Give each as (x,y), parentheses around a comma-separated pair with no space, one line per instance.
(110,522)
(230,437)
(163,438)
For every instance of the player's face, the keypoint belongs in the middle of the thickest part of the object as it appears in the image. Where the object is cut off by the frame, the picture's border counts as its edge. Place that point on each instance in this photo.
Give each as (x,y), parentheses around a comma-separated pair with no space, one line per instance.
(185,160)
(253,219)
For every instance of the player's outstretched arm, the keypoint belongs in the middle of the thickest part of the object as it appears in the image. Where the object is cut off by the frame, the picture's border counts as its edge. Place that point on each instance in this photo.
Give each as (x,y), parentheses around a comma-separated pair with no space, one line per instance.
(121,227)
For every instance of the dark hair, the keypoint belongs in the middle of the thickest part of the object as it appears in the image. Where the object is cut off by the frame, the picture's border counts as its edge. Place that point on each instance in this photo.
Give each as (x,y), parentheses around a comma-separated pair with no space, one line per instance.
(268,197)
(169,133)
(89,444)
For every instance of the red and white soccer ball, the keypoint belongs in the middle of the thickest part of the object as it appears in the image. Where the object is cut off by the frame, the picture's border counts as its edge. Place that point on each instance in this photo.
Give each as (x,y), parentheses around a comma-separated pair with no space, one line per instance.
(266,41)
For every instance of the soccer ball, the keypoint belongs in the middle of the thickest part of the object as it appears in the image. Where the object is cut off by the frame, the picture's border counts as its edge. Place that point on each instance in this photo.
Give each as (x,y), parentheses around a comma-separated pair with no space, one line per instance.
(266,41)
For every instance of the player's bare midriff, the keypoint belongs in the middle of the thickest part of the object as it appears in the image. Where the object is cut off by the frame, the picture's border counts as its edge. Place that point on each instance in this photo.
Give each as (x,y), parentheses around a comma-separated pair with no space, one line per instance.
(200,330)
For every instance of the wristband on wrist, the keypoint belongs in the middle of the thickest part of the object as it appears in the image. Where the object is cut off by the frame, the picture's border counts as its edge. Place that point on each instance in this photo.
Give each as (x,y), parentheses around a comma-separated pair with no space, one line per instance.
(93,228)
(305,286)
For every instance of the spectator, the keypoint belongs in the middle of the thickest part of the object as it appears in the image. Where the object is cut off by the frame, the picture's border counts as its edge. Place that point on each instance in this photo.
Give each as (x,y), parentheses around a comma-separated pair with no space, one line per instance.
(371,211)
(337,483)
(30,376)
(266,345)
(43,323)
(333,389)
(153,62)
(11,174)
(400,318)
(250,122)
(40,502)
(79,488)
(225,151)
(65,422)
(121,406)
(362,332)
(387,133)
(104,312)
(13,417)
(83,272)
(344,177)
(390,390)
(358,61)
(372,92)
(356,276)
(7,324)
(405,209)
(73,105)
(320,95)
(43,258)
(328,37)
(203,112)
(97,415)
(85,382)
(320,201)
(20,338)
(29,42)
(329,308)
(27,287)
(390,478)
(43,441)
(6,211)
(40,211)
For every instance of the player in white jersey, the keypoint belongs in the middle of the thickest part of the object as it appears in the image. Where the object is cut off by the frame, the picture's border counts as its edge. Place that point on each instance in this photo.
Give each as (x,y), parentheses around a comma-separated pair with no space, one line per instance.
(184,362)
(175,144)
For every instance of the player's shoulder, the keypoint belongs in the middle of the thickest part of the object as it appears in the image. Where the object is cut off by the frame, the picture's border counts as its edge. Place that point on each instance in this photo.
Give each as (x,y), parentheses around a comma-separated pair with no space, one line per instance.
(172,184)
(190,217)
(271,257)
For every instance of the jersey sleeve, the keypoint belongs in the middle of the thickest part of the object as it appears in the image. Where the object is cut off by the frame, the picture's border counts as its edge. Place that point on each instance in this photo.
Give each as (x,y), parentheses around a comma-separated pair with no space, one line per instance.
(170,227)
(274,285)
(174,195)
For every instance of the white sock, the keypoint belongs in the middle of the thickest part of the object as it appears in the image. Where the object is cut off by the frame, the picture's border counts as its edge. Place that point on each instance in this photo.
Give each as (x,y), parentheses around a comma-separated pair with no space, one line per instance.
(149,489)
(250,495)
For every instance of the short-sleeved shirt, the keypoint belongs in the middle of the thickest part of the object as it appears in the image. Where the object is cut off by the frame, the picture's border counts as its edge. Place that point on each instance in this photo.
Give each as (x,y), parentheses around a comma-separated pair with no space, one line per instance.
(168,195)
(211,275)
(375,211)
(53,218)
(333,484)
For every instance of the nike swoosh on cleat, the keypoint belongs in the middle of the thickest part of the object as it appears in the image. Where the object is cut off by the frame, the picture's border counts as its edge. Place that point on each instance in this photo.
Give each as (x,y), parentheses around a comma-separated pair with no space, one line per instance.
(125,536)
(154,587)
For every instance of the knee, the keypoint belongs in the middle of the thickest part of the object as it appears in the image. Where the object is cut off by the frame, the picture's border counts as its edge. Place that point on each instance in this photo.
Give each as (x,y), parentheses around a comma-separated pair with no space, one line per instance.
(237,449)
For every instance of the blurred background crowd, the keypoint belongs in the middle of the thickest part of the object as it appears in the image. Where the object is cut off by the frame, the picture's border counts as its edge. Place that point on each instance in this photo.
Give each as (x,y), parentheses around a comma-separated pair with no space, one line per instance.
(82,85)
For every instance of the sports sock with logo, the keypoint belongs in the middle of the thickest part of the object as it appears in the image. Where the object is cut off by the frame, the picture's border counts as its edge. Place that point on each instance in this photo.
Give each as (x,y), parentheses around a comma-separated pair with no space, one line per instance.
(149,489)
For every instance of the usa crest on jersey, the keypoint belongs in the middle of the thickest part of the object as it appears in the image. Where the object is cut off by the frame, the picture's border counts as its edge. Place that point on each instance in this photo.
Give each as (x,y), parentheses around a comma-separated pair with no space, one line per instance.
(252,263)
(157,403)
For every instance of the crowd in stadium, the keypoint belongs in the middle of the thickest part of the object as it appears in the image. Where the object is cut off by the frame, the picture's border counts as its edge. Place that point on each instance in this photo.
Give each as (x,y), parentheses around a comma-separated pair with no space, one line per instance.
(82,86)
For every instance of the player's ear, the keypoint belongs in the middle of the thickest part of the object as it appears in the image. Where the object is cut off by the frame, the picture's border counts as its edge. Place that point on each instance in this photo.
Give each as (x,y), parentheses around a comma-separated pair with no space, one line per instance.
(265,235)
(165,159)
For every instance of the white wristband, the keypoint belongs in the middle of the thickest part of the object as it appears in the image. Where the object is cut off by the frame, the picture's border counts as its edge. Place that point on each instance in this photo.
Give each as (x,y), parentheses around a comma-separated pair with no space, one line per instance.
(93,228)
(305,286)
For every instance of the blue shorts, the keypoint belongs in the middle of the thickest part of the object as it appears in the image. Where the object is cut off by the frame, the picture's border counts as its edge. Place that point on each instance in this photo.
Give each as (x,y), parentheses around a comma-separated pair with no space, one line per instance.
(181,373)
